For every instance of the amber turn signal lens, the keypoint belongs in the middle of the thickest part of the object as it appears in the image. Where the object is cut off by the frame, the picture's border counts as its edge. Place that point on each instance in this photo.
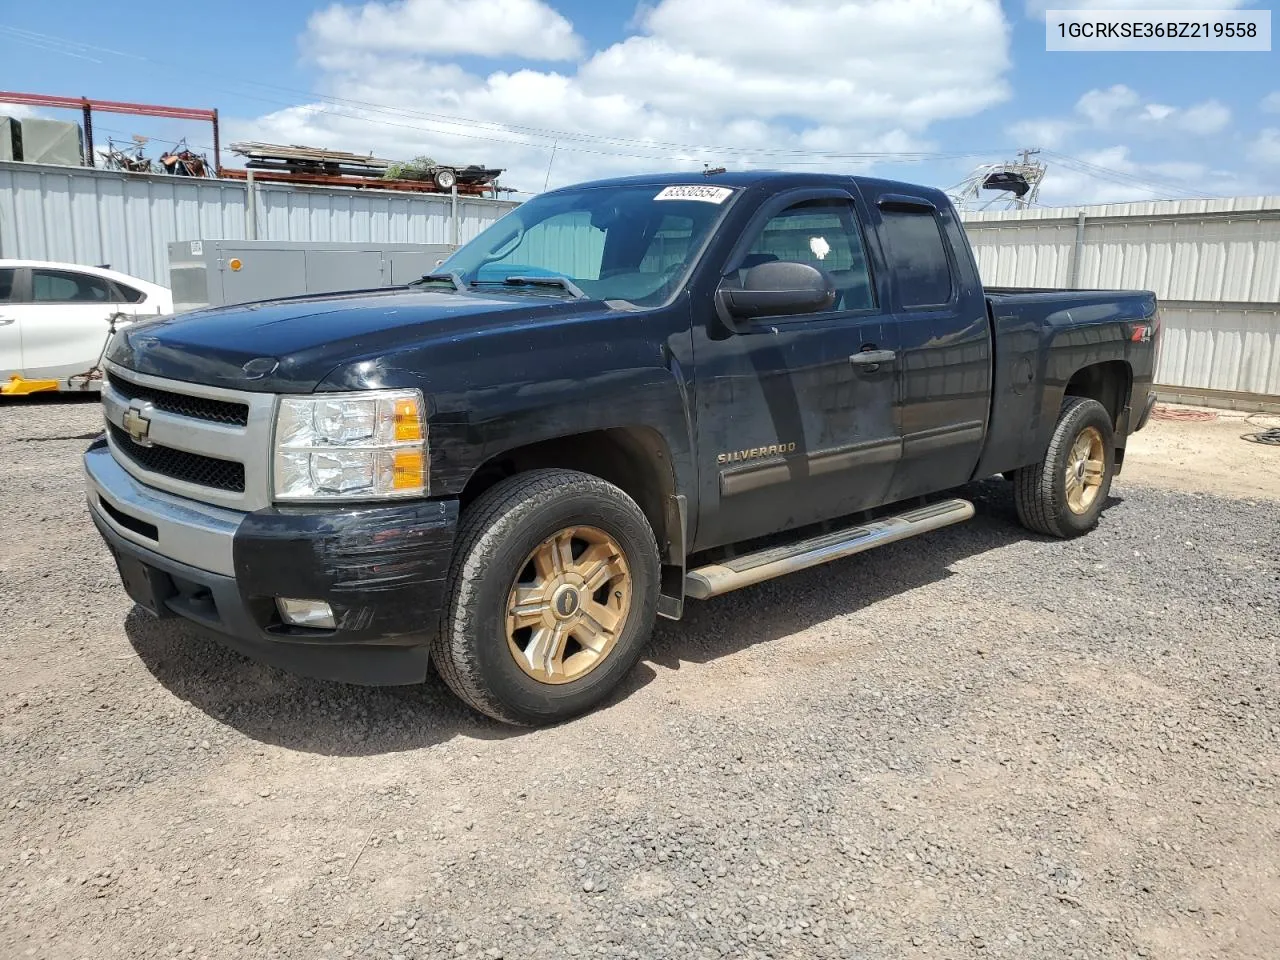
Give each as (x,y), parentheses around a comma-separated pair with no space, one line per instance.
(408,470)
(408,425)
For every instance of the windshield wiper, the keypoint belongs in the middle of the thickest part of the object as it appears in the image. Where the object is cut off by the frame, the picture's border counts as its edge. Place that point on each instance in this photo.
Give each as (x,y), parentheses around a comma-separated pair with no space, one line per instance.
(563,282)
(453,277)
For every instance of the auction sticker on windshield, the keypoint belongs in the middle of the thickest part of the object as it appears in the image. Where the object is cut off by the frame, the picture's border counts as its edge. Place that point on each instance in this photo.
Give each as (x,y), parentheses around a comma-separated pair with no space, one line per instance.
(695,191)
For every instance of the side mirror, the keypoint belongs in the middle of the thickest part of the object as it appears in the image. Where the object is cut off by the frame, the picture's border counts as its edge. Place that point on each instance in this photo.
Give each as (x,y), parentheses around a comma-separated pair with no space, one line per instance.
(778,288)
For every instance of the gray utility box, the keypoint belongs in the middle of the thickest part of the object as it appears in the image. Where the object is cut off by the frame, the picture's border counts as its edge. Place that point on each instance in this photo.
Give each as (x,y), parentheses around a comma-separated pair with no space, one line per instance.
(56,142)
(213,273)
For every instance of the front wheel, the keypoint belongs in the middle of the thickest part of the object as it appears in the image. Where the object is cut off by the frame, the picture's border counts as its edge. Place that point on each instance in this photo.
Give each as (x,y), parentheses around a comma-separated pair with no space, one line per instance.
(1063,495)
(552,594)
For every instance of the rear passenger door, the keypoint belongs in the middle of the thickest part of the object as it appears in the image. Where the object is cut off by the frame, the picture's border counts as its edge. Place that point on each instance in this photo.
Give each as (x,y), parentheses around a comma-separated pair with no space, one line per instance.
(944,349)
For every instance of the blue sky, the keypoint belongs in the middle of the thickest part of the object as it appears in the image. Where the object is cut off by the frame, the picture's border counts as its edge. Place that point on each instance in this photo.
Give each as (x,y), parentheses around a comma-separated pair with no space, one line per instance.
(637,88)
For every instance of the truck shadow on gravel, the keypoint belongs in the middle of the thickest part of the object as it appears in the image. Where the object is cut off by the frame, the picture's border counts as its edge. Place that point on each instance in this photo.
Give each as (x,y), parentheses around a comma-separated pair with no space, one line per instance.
(779,608)
(298,713)
(334,719)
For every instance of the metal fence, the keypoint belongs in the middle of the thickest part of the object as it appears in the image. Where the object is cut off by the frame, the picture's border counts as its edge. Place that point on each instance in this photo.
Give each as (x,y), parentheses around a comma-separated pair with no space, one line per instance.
(89,216)
(1215,264)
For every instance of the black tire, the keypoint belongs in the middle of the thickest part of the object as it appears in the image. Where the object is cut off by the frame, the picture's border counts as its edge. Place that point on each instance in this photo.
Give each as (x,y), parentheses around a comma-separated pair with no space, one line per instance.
(445,179)
(496,535)
(1040,490)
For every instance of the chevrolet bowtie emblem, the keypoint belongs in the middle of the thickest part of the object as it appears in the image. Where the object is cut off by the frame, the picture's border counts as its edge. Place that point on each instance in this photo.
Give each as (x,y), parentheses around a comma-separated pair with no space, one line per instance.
(137,423)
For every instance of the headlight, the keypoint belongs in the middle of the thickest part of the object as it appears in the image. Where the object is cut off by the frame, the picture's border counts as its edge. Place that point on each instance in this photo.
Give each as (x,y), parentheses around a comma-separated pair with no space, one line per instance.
(351,446)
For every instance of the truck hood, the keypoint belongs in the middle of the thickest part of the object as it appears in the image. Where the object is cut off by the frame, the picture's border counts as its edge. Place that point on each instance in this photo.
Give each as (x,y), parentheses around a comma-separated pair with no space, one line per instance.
(288,346)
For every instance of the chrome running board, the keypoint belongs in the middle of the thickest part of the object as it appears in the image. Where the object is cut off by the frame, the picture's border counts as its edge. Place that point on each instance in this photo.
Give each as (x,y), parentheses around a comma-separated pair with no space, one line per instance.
(717,578)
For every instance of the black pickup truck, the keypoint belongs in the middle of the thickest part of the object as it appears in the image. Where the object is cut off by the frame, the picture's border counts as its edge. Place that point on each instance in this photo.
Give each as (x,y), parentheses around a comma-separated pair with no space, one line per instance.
(619,396)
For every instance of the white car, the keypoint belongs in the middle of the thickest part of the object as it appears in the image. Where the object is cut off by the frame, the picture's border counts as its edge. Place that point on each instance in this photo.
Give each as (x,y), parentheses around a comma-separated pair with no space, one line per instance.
(54,318)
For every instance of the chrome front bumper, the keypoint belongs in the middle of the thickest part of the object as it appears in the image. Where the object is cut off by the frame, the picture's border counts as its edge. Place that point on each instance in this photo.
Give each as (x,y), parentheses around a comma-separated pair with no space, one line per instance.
(382,570)
(196,534)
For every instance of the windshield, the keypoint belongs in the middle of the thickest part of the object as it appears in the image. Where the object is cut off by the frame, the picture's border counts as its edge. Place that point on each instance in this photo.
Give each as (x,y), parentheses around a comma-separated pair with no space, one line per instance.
(630,243)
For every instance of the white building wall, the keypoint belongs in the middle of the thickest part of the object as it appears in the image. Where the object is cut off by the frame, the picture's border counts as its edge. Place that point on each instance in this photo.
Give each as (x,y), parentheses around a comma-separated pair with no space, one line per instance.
(1214,264)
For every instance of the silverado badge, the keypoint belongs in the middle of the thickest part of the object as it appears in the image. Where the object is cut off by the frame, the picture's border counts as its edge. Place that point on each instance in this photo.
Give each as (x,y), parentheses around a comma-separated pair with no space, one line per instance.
(772,450)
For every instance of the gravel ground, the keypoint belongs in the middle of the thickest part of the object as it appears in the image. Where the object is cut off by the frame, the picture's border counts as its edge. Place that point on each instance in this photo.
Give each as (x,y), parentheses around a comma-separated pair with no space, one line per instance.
(976,744)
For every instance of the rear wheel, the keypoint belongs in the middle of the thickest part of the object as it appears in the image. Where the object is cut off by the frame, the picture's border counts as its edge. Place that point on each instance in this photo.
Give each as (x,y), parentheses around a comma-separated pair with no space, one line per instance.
(1063,495)
(445,179)
(552,595)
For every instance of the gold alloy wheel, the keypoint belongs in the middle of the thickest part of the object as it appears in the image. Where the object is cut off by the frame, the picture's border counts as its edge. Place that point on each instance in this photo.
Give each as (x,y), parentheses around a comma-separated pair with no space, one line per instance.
(1086,466)
(568,605)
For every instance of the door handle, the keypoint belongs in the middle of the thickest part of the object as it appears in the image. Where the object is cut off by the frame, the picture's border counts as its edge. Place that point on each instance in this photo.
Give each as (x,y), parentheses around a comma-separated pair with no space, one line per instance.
(5,321)
(872,358)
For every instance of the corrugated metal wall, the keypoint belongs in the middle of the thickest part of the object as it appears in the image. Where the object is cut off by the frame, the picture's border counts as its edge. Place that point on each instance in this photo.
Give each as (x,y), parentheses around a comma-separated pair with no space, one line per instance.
(1223,348)
(1215,264)
(87,216)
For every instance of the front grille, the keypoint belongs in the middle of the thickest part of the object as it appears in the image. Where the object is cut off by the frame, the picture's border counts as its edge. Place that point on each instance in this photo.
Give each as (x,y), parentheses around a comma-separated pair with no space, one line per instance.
(181,465)
(198,408)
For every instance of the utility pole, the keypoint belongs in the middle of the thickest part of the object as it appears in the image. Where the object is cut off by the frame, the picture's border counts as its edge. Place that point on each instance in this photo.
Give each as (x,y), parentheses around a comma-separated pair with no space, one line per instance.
(554,144)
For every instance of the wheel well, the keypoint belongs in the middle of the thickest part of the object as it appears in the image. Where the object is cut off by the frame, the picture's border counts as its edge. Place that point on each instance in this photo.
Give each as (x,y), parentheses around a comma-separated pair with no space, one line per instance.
(1108,383)
(635,459)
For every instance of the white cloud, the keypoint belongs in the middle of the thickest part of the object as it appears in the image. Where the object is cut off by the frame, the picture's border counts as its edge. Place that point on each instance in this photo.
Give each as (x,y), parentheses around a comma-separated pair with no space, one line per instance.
(1266,148)
(1120,107)
(1100,107)
(1203,118)
(19,111)
(1114,177)
(1271,102)
(1049,133)
(1036,8)
(842,76)
(488,28)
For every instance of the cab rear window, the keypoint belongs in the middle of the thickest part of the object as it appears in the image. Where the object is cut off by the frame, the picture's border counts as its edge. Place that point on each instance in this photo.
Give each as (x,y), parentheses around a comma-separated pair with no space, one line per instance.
(920,262)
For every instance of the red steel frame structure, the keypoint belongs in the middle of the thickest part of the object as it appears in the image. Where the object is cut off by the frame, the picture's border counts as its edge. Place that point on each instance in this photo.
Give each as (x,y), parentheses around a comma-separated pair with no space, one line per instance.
(116,106)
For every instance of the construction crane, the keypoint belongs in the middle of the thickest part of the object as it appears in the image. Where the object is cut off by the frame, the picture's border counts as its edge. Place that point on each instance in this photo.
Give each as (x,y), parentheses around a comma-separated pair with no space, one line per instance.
(1013,186)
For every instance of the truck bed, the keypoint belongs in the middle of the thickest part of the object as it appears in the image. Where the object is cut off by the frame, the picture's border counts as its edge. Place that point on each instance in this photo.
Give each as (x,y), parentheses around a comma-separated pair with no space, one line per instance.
(1040,338)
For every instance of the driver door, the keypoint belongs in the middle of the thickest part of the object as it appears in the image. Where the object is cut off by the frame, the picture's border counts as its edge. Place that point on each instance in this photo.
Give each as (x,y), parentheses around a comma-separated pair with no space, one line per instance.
(793,427)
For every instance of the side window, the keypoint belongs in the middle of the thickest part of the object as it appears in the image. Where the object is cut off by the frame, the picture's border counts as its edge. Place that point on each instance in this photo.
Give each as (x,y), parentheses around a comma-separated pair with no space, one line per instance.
(918,256)
(129,295)
(823,234)
(7,277)
(63,286)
